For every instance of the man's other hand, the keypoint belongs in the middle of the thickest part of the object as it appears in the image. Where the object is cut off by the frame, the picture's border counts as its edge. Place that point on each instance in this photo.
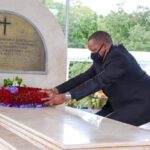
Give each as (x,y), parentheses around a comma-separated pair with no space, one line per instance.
(57,99)
(50,92)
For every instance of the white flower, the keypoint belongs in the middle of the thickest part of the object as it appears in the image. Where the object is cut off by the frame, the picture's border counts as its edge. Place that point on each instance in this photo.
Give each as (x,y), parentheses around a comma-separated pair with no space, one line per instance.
(22,84)
(15,83)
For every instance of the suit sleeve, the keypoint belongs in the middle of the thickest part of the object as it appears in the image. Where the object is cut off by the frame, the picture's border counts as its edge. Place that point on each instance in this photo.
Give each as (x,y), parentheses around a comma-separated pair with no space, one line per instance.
(76,81)
(115,69)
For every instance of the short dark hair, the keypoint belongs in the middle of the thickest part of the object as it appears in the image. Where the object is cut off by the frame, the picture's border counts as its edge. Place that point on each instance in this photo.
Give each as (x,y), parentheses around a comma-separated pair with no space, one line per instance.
(101,36)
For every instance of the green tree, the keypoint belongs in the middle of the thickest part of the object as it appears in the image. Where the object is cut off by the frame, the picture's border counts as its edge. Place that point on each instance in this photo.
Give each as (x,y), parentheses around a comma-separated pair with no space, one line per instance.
(82,23)
(59,7)
(117,24)
(48,3)
(130,29)
(75,68)
(139,38)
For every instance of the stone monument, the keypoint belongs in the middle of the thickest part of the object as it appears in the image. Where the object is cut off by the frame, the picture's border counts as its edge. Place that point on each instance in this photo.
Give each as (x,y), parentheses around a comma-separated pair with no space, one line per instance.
(32,44)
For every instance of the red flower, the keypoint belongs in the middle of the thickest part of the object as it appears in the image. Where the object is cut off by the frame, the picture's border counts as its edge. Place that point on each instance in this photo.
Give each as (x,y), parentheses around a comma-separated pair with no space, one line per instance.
(25,95)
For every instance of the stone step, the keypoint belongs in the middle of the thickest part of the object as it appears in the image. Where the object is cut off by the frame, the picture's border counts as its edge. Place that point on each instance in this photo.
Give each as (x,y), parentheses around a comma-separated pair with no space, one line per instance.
(11,141)
(27,133)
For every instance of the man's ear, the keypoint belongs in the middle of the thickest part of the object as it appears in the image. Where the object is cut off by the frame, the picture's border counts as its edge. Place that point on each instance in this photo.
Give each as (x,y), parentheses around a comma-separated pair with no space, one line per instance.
(106,45)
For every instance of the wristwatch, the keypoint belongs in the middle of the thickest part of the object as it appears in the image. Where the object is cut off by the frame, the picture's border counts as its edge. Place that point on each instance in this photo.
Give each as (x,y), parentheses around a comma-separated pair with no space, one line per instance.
(68,95)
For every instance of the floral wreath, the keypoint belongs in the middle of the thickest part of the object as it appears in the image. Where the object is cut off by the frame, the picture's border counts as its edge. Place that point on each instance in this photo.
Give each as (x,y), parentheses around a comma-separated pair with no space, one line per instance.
(14,93)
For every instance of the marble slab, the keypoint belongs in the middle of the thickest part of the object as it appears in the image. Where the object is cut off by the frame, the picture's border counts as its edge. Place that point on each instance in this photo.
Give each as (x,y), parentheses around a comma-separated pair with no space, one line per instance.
(11,141)
(68,129)
(146,126)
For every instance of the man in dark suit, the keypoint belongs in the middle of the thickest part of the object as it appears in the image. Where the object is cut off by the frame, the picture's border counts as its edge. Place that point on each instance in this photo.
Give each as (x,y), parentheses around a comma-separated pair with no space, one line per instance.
(118,74)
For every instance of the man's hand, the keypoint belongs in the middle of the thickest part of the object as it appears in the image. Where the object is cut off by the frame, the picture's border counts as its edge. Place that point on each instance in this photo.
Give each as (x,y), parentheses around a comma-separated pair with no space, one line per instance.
(57,99)
(50,92)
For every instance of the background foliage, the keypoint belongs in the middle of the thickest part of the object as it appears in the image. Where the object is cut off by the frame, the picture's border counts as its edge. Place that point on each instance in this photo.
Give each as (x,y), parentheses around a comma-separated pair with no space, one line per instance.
(133,30)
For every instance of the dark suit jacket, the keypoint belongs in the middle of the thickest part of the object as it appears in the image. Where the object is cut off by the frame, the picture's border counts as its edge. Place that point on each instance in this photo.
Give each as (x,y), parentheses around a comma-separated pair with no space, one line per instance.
(122,80)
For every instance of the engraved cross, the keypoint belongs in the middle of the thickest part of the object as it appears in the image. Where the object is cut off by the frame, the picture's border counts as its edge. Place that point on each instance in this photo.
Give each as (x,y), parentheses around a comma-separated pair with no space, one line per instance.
(5,23)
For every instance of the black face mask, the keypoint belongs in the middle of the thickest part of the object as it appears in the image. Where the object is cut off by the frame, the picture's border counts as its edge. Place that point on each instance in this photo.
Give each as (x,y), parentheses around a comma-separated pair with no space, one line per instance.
(96,57)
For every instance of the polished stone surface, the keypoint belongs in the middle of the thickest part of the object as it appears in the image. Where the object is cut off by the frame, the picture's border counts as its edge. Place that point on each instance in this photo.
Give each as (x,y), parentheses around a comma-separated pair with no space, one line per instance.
(146,126)
(66,128)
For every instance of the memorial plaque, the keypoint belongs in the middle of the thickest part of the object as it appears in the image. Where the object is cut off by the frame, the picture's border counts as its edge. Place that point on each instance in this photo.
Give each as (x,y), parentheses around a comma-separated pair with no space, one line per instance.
(21,45)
